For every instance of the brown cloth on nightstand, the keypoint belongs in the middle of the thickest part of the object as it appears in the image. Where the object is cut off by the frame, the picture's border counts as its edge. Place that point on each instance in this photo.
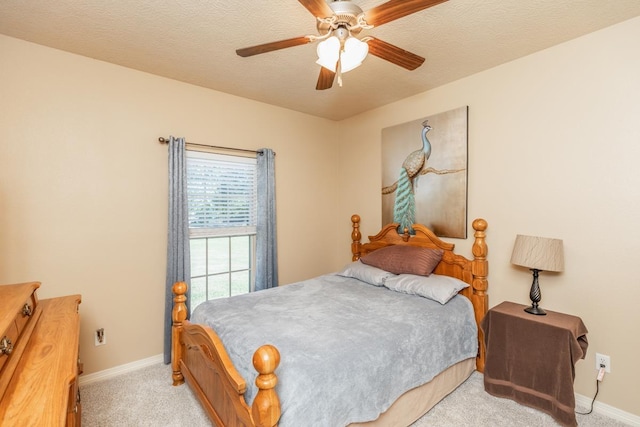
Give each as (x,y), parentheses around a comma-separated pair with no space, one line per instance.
(531,359)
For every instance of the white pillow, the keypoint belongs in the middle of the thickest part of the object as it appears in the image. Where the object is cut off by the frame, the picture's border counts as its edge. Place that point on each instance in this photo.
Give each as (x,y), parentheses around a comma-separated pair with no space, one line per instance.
(435,287)
(366,273)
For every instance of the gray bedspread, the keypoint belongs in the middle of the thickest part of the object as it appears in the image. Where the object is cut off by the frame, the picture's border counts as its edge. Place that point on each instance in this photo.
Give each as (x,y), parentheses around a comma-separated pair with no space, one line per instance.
(348,349)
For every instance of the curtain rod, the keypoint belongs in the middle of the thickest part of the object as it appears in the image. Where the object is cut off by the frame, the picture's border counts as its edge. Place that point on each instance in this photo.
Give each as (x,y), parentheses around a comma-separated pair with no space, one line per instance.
(166,141)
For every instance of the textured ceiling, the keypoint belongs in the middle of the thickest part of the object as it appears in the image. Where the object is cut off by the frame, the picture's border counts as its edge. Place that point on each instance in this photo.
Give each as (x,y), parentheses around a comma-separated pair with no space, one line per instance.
(195,41)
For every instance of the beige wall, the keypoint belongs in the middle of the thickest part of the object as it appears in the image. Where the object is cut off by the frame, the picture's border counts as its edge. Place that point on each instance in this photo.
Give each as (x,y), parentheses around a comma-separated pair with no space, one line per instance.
(554,145)
(83,185)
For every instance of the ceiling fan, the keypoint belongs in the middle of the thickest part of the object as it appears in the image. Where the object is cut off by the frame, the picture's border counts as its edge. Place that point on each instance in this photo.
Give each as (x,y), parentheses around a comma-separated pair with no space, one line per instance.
(337,23)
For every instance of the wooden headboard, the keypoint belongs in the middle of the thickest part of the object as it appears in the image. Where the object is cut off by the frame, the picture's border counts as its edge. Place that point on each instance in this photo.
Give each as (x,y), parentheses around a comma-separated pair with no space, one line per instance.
(472,271)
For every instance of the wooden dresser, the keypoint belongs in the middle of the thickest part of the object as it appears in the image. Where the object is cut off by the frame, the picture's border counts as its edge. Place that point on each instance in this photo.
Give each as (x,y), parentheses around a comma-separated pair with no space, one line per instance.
(39,365)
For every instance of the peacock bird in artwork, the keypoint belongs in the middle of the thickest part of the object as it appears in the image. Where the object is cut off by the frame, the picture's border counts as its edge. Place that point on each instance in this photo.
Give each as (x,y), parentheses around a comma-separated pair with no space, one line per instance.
(404,210)
(415,162)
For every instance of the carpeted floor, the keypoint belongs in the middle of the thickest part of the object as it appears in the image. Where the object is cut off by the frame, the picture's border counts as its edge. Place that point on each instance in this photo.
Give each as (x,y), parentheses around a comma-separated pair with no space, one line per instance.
(146,398)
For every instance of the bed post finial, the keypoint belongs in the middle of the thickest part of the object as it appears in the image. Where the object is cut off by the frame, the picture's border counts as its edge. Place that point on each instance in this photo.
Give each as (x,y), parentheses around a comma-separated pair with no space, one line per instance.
(178,315)
(405,235)
(355,237)
(265,409)
(479,250)
(480,270)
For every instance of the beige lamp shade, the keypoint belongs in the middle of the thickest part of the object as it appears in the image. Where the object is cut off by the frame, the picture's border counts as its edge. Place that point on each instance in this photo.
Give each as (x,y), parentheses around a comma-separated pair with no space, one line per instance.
(540,253)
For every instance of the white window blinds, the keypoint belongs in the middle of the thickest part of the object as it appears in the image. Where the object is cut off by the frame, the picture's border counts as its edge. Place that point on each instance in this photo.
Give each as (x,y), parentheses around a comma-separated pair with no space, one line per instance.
(222,194)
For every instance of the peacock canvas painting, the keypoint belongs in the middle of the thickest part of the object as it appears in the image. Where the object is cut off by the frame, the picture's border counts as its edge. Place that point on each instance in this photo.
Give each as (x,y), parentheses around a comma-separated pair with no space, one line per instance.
(424,173)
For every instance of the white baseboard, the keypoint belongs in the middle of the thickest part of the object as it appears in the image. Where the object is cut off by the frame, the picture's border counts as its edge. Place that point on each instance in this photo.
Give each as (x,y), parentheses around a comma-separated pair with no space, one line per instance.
(119,370)
(584,402)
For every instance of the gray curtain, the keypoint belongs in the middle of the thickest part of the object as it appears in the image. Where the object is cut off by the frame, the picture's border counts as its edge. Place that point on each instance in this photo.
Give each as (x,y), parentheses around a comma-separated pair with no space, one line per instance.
(266,242)
(178,262)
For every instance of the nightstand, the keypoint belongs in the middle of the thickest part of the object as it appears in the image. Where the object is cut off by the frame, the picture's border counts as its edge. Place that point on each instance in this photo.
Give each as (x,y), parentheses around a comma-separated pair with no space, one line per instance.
(531,359)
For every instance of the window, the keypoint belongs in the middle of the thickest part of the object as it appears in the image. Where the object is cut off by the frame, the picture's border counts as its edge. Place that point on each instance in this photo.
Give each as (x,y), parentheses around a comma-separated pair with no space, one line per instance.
(221,192)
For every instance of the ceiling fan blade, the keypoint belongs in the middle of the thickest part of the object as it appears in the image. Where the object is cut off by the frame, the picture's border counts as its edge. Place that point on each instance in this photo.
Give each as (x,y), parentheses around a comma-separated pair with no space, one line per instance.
(269,47)
(325,79)
(395,9)
(319,8)
(394,54)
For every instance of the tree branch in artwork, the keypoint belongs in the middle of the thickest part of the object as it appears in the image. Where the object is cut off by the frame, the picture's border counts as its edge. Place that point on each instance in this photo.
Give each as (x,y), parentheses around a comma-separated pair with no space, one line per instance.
(391,188)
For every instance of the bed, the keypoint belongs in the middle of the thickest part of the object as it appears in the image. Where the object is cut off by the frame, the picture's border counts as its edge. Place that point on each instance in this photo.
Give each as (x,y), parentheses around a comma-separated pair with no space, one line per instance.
(223,379)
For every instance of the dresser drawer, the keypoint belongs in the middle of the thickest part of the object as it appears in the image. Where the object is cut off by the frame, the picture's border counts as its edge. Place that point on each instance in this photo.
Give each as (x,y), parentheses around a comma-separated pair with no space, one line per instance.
(26,312)
(19,312)
(8,339)
(74,408)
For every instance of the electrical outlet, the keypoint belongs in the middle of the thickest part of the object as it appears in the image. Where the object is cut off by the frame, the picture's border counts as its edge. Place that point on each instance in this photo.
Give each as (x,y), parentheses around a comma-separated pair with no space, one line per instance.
(100,337)
(603,359)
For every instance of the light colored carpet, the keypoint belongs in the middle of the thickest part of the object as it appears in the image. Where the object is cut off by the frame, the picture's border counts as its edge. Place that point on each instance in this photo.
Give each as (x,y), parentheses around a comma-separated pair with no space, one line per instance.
(147,398)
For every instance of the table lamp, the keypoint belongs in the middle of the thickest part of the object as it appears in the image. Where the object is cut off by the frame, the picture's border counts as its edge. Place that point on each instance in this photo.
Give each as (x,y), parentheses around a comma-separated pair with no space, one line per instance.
(537,254)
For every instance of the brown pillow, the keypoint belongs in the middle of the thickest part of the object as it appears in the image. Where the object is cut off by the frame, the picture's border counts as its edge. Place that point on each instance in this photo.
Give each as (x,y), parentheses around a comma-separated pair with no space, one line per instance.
(404,259)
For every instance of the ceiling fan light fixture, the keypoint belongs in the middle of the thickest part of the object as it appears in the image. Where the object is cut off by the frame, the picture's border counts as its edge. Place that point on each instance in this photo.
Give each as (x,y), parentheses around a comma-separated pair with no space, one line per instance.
(355,51)
(351,57)
(328,53)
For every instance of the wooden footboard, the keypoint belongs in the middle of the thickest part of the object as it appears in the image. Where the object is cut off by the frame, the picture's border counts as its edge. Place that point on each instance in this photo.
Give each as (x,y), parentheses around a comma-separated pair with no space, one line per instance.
(199,356)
